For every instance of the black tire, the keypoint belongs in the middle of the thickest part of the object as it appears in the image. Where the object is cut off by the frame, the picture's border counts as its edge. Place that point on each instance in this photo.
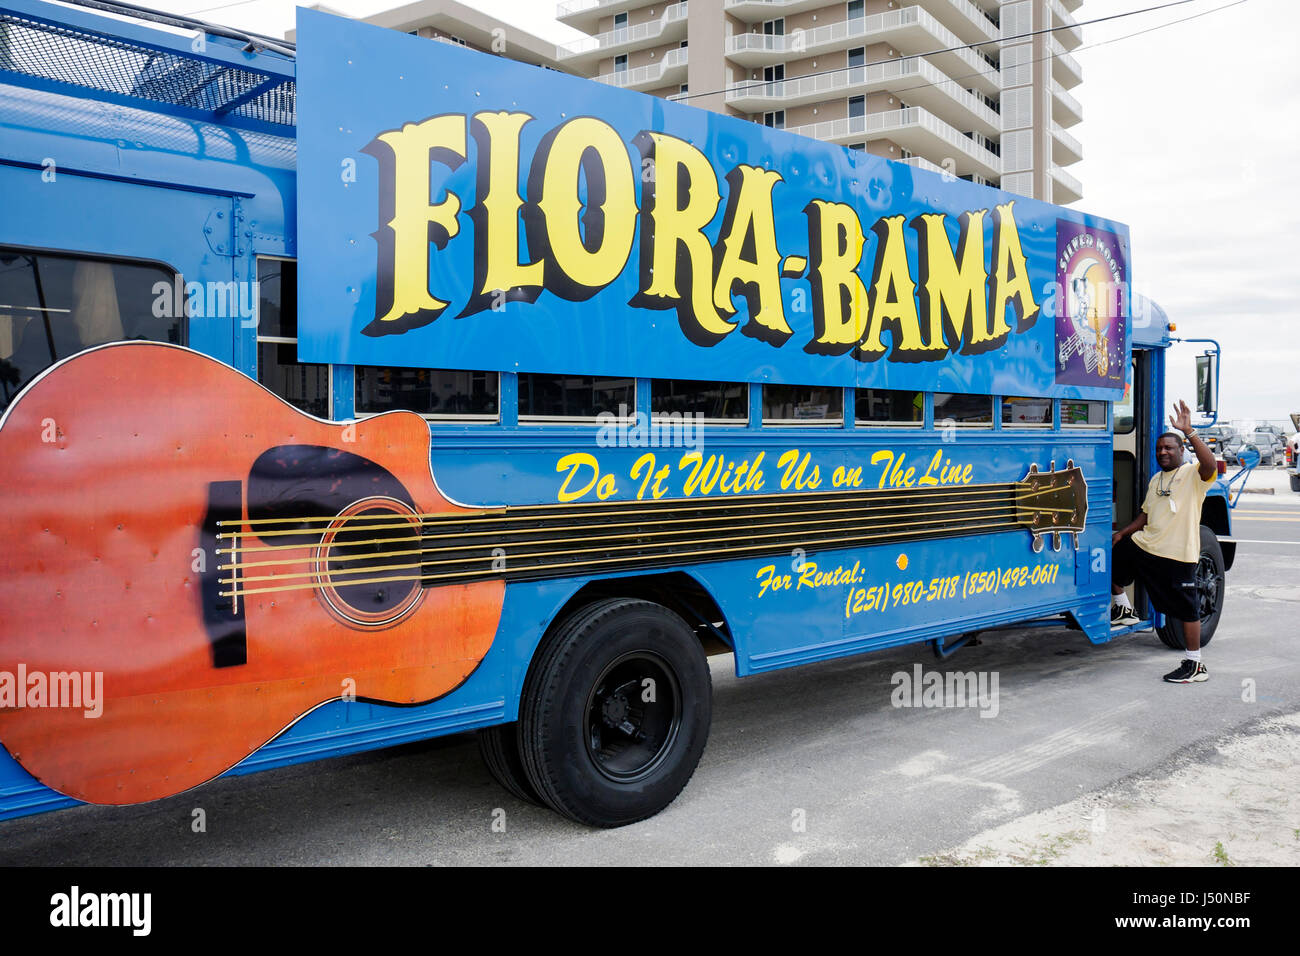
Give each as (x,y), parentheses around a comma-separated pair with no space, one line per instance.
(1295,482)
(1210,589)
(595,749)
(499,747)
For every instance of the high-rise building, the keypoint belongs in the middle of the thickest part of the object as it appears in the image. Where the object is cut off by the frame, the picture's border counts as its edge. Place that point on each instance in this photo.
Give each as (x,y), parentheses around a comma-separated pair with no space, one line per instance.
(977,88)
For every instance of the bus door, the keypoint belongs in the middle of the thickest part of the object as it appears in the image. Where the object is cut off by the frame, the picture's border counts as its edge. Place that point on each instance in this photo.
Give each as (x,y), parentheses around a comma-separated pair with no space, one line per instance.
(1132,438)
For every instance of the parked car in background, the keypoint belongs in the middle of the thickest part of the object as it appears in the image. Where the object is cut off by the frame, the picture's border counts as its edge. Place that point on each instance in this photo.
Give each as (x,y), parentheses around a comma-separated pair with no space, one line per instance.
(1230,450)
(1216,435)
(1271,446)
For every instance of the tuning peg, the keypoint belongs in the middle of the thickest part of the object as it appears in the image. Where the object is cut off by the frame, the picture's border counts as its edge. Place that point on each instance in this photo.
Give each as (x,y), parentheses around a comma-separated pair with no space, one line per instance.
(1053,465)
(1069,464)
(1038,543)
(1075,536)
(1056,541)
(1033,469)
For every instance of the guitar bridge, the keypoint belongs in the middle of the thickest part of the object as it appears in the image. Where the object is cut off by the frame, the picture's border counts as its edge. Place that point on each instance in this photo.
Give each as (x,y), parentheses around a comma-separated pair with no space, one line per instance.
(223,617)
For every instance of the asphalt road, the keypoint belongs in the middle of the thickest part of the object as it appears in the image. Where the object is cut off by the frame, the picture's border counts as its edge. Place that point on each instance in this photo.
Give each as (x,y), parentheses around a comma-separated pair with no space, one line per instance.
(812,765)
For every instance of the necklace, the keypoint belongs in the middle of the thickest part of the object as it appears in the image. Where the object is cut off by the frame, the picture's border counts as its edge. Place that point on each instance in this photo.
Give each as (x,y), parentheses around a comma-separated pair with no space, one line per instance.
(1161,490)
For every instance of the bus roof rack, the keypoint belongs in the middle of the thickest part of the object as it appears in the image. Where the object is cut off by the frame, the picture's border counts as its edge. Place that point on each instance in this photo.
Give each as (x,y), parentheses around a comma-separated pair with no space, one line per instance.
(174,65)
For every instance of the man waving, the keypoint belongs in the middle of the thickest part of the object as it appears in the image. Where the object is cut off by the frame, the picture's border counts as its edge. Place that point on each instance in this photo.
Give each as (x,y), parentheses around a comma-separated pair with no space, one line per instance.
(1163,544)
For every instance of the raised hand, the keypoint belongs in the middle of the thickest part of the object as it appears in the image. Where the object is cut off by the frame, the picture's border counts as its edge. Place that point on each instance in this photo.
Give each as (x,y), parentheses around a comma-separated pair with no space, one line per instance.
(1182,417)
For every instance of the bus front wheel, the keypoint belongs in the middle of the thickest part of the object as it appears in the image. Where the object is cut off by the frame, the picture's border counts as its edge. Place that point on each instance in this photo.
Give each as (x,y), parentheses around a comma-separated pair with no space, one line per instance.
(615,713)
(1210,588)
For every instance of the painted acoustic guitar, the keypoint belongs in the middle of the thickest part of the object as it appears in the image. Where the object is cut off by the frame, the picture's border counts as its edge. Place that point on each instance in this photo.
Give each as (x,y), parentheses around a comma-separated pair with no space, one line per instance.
(229,563)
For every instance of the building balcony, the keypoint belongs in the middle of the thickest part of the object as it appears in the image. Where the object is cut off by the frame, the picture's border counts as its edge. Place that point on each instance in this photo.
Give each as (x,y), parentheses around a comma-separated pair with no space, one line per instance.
(752,10)
(910,30)
(1066,110)
(914,129)
(967,20)
(1065,188)
(1065,68)
(668,71)
(1066,149)
(670,26)
(585,15)
(1071,34)
(922,82)
(920,162)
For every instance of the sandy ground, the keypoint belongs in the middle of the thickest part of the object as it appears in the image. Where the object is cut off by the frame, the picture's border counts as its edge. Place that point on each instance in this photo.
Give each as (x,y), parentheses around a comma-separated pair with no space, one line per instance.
(1233,802)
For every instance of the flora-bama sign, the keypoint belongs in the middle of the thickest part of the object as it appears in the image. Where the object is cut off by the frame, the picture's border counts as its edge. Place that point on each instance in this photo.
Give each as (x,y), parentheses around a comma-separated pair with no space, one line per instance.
(460,210)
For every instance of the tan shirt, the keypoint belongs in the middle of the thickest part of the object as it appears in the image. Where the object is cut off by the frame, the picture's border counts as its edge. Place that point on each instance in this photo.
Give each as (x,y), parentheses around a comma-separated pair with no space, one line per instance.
(1173,527)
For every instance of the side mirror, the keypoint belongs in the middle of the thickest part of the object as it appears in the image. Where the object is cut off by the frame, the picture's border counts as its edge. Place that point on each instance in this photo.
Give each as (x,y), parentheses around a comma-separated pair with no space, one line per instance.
(1207,383)
(1249,456)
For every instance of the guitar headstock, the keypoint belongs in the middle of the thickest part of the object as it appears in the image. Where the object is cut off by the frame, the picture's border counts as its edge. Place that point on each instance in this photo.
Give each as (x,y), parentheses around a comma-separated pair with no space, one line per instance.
(1053,502)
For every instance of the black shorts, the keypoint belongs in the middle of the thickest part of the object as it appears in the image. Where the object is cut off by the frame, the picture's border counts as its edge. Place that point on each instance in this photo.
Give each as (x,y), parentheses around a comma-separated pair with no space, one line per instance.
(1170,584)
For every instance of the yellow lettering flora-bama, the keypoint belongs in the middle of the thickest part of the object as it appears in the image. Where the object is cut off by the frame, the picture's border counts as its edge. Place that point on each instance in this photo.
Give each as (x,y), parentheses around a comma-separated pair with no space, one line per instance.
(409,223)
(679,200)
(581,263)
(839,298)
(749,223)
(1009,280)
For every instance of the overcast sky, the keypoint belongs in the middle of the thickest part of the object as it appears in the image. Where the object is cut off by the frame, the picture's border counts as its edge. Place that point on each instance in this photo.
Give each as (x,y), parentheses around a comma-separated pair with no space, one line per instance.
(1189,135)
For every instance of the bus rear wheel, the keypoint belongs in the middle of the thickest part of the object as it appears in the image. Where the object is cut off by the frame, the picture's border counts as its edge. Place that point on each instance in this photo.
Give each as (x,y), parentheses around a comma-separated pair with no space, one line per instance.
(499,748)
(615,713)
(1210,589)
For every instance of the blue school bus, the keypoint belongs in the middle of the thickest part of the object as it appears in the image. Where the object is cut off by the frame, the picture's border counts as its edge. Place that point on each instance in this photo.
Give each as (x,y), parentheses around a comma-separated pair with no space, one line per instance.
(375,390)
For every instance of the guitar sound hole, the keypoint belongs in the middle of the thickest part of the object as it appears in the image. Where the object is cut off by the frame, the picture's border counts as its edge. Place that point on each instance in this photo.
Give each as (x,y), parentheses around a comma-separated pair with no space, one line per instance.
(368,563)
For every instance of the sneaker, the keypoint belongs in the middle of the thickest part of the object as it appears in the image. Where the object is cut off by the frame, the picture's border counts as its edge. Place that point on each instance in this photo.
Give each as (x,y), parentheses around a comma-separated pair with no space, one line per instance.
(1121,616)
(1189,672)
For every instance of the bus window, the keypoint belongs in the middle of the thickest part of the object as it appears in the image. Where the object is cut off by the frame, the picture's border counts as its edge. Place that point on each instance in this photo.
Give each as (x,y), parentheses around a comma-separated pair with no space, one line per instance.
(718,402)
(573,398)
(1024,412)
(881,406)
(302,385)
(437,394)
(803,405)
(1083,414)
(54,305)
(958,408)
(1124,421)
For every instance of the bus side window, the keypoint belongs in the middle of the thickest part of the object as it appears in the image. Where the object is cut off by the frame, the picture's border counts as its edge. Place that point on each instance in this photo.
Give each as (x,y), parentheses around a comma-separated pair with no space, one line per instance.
(573,399)
(1026,412)
(1083,414)
(302,385)
(437,394)
(53,305)
(719,403)
(803,405)
(882,406)
(957,408)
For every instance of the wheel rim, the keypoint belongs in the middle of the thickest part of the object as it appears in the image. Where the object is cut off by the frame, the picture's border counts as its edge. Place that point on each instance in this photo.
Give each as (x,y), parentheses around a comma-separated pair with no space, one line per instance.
(1208,582)
(627,735)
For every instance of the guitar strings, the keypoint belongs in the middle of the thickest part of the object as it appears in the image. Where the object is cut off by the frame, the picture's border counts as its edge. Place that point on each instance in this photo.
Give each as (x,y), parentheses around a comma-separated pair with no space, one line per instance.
(519,512)
(785,538)
(468,518)
(897,510)
(993,508)
(644,560)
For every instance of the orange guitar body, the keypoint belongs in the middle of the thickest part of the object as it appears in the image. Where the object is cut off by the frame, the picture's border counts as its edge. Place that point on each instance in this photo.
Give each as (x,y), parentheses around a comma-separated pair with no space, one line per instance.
(111,466)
